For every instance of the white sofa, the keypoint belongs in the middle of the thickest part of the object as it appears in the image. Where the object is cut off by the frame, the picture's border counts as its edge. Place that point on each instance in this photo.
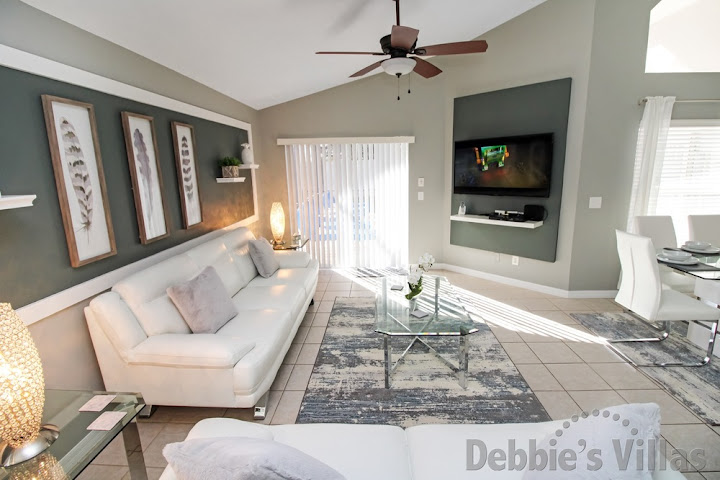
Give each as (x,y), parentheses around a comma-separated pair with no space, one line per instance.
(143,344)
(382,452)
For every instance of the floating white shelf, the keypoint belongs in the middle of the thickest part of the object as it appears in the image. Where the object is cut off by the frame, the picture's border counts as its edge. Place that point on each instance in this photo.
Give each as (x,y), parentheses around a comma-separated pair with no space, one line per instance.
(249,167)
(16,201)
(486,220)
(231,180)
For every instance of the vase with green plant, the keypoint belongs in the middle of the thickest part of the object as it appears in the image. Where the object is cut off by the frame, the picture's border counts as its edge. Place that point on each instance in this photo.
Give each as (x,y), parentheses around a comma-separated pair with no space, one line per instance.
(415,276)
(230,167)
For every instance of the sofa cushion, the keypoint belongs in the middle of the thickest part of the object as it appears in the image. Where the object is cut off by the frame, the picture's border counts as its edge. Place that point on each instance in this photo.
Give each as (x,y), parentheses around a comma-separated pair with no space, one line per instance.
(303,277)
(241,458)
(183,350)
(289,298)
(244,264)
(215,254)
(145,294)
(263,257)
(203,302)
(270,331)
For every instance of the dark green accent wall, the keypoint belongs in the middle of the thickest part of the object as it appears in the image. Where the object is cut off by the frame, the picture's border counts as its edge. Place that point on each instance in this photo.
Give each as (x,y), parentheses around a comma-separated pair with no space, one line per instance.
(34,260)
(538,108)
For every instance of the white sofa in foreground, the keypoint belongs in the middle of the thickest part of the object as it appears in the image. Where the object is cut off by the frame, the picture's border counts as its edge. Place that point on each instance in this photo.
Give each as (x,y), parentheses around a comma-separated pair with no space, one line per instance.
(382,452)
(143,344)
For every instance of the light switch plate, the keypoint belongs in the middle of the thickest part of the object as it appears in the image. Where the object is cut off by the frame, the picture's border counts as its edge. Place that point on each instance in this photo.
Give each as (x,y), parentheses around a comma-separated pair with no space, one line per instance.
(421,195)
(515,260)
(595,202)
(421,182)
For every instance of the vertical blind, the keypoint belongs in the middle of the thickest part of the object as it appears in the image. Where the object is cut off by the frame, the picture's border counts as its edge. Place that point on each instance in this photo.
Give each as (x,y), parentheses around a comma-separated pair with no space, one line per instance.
(351,201)
(689,181)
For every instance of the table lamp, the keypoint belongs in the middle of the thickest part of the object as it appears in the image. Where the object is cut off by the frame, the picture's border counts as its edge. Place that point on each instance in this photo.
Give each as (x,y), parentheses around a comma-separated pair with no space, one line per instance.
(277,223)
(22,393)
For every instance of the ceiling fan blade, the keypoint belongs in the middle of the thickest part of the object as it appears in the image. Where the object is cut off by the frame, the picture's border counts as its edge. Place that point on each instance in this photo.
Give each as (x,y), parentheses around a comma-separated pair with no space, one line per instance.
(403,37)
(456,48)
(425,69)
(349,53)
(367,69)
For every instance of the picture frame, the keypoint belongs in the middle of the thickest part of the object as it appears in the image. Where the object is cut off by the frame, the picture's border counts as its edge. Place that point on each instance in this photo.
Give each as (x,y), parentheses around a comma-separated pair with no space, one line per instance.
(80,179)
(146,176)
(186,165)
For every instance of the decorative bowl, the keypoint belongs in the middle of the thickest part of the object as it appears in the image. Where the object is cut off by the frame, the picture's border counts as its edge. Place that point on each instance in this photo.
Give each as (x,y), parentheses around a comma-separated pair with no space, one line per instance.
(698,245)
(676,254)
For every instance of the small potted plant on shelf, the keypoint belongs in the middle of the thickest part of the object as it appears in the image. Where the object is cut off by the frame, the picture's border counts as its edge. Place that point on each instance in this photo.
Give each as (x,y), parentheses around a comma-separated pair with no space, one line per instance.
(230,167)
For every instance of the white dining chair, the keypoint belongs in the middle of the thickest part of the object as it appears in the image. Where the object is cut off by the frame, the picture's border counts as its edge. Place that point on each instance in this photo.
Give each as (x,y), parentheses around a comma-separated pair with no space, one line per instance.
(641,293)
(661,230)
(705,228)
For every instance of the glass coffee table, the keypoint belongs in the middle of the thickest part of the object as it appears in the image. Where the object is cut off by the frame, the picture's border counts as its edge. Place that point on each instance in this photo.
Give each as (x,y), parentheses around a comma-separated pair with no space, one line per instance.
(76,446)
(445,317)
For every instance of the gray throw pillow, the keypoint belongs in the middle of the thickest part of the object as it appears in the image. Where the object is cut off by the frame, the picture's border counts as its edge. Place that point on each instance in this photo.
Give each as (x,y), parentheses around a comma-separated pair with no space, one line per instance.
(263,257)
(203,302)
(243,458)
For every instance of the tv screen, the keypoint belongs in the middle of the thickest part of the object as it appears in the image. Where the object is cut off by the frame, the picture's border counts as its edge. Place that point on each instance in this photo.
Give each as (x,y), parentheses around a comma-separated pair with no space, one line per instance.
(518,166)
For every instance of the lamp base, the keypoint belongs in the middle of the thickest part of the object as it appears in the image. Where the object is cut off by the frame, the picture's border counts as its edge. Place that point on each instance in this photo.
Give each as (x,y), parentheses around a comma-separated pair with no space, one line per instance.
(12,456)
(277,242)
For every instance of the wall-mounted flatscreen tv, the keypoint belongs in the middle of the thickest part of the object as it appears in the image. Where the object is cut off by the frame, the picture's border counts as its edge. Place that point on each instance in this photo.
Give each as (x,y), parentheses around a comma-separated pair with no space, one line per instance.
(516,166)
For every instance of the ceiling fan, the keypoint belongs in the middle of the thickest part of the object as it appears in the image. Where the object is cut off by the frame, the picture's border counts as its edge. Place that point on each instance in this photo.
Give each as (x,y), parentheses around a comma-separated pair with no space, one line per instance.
(402,42)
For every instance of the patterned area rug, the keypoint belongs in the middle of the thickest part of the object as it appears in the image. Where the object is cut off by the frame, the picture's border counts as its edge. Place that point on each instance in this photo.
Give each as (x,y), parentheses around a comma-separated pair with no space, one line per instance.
(695,387)
(347,384)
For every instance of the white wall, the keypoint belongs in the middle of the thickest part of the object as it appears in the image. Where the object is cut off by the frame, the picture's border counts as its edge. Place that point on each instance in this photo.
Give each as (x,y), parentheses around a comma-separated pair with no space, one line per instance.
(549,42)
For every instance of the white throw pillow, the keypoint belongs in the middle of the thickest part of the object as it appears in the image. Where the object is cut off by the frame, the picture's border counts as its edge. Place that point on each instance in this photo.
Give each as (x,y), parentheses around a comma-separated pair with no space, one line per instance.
(243,458)
(606,444)
(263,257)
(203,302)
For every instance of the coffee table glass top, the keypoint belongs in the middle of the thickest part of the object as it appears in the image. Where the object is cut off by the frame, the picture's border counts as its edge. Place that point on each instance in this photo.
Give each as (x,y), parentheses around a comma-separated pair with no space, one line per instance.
(446,315)
(76,446)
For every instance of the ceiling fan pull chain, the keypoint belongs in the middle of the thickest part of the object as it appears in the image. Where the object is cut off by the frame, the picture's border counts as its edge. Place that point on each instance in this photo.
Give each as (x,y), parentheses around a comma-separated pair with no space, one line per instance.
(409,81)
(398,77)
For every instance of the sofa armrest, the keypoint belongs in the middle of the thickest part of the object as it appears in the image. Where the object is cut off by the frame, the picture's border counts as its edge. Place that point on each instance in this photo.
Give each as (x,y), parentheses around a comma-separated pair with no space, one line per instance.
(292,259)
(110,312)
(190,350)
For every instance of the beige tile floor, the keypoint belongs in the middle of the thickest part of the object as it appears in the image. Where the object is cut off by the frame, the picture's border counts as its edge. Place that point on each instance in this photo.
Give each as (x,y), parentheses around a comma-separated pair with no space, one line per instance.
(558,358)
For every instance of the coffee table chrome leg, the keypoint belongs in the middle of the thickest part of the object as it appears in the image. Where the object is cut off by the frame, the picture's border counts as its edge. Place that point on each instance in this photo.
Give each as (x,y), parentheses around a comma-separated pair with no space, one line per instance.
(388,360)
(464,354)
(133,451)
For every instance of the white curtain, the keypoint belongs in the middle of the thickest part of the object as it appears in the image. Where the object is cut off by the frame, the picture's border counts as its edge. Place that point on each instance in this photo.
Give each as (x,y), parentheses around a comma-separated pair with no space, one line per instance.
(351,201)
(649,155)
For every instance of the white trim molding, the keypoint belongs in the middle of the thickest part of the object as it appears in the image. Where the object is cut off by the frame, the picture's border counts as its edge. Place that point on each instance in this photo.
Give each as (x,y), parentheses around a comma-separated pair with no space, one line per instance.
(343,140)
(53,304)
(558,292)
(33,64)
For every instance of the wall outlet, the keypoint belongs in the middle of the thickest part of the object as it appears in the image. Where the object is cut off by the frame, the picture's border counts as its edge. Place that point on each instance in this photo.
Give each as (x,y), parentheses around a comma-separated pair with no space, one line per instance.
(515,260)
(595,202)
(421,196)
(421,182)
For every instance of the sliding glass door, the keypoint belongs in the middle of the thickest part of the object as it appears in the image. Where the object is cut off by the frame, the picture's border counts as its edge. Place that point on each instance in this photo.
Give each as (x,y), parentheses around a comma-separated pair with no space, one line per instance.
(351,201)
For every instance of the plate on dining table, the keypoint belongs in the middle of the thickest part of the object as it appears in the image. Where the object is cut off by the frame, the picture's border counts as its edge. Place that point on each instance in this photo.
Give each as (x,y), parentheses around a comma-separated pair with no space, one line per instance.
(702,251)
(687,261)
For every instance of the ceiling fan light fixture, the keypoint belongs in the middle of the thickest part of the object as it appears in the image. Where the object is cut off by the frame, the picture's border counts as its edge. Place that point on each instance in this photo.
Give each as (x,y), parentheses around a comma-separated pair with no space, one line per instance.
(398,66)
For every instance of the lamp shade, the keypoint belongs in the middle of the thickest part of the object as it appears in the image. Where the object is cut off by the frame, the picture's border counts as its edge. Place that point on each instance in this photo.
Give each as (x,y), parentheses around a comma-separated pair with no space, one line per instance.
(277,222)
(22,391)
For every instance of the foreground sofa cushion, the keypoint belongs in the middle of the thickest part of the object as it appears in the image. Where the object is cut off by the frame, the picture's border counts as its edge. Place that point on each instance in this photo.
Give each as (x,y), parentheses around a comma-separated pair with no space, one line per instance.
(263,257)
(203,302)
(243,458)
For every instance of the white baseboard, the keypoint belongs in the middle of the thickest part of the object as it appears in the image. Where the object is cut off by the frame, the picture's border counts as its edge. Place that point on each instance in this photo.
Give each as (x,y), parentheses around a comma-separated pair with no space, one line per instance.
(558,292)
(53,304)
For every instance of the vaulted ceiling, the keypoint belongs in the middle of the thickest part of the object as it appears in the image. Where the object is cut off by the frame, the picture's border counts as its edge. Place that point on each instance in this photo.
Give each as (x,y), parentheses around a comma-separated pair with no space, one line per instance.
(261,52)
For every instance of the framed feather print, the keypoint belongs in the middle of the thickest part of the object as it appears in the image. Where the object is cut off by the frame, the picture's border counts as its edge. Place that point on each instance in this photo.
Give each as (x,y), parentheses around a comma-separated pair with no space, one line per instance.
(184,142)
(80,181)
(146,178)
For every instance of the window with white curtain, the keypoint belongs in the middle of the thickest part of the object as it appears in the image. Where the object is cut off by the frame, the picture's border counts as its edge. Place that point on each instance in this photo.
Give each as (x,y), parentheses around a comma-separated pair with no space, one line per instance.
(350,200)
(689,182)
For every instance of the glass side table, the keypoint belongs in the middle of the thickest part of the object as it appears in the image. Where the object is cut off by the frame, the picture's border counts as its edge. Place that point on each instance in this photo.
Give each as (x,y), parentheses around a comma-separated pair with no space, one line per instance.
(77,446)
(291,246)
